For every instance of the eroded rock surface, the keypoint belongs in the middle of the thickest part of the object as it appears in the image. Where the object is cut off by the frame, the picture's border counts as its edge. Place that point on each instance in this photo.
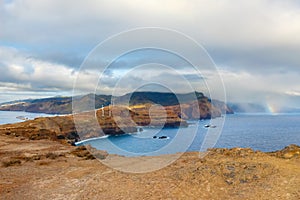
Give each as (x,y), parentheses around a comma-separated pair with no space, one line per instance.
(44,169)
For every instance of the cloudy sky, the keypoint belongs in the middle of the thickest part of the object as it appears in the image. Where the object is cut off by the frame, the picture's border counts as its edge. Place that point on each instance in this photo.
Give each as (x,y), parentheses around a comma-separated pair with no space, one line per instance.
(255,45)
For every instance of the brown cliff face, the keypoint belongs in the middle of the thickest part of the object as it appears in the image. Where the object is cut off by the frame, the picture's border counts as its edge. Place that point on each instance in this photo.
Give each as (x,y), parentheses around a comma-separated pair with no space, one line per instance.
(43,128)
(109,121)
(155,115)
(112,120)
(63,127)
(199,110)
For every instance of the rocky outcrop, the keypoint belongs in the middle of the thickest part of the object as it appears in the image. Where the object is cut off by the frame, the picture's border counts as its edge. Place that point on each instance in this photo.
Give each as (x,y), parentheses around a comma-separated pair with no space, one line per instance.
(223,107)
(89,153)
(43,128)
(202,109)
(109,121)
(291,151)
(156,116)
(60,171)
(161,110)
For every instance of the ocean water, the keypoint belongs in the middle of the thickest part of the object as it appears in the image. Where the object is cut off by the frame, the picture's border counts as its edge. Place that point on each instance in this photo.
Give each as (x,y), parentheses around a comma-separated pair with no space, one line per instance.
(9,117)
(258,131)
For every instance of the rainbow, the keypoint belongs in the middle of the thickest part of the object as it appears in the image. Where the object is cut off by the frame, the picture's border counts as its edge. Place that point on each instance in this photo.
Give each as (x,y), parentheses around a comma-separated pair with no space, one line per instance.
(272,109)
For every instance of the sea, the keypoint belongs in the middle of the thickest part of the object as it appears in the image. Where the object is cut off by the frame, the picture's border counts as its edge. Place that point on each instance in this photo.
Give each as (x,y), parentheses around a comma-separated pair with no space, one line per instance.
(10,117)
(259,131)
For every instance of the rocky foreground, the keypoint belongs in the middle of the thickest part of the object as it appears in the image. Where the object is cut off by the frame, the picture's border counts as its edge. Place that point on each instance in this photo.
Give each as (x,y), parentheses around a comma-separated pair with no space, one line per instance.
(46,169)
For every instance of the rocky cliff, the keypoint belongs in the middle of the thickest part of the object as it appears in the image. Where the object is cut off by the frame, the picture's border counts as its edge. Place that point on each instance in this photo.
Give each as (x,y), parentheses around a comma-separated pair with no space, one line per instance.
(109,121)
(188,102)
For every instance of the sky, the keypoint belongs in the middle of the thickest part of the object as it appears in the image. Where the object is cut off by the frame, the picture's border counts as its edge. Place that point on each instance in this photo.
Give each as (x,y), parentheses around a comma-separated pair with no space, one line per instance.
(255,46)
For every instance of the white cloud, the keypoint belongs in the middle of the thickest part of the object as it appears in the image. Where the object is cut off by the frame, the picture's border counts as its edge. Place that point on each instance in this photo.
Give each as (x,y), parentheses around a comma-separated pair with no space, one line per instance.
(257,23)
(43,76)
(258,41)
(293,93)
(247,87)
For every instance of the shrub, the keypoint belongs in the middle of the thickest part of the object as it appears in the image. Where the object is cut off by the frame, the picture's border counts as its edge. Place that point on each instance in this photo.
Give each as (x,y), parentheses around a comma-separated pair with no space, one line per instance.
(11,163)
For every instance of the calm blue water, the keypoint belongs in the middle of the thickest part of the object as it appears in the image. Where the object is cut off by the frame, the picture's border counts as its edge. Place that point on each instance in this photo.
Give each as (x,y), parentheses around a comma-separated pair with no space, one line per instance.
(260,132)
(8,117)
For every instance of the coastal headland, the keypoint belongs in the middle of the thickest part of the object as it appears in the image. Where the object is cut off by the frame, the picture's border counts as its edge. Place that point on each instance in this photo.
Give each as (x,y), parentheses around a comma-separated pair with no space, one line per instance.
(111,120)
(144,109)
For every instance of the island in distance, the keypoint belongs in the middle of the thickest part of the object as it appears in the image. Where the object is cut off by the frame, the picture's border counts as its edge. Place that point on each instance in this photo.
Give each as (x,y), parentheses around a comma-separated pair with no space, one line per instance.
(63,105)
(144,109)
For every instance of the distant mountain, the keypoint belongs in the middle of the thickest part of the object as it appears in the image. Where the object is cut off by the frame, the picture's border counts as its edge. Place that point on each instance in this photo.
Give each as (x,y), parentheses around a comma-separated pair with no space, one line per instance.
(164,99)
(247,108)
(187,106)
(188,102)
(56,105)
(16,102)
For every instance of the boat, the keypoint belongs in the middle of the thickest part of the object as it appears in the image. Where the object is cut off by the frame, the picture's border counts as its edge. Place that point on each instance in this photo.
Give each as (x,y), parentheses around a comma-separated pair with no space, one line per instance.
(22,118)
(209,126)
